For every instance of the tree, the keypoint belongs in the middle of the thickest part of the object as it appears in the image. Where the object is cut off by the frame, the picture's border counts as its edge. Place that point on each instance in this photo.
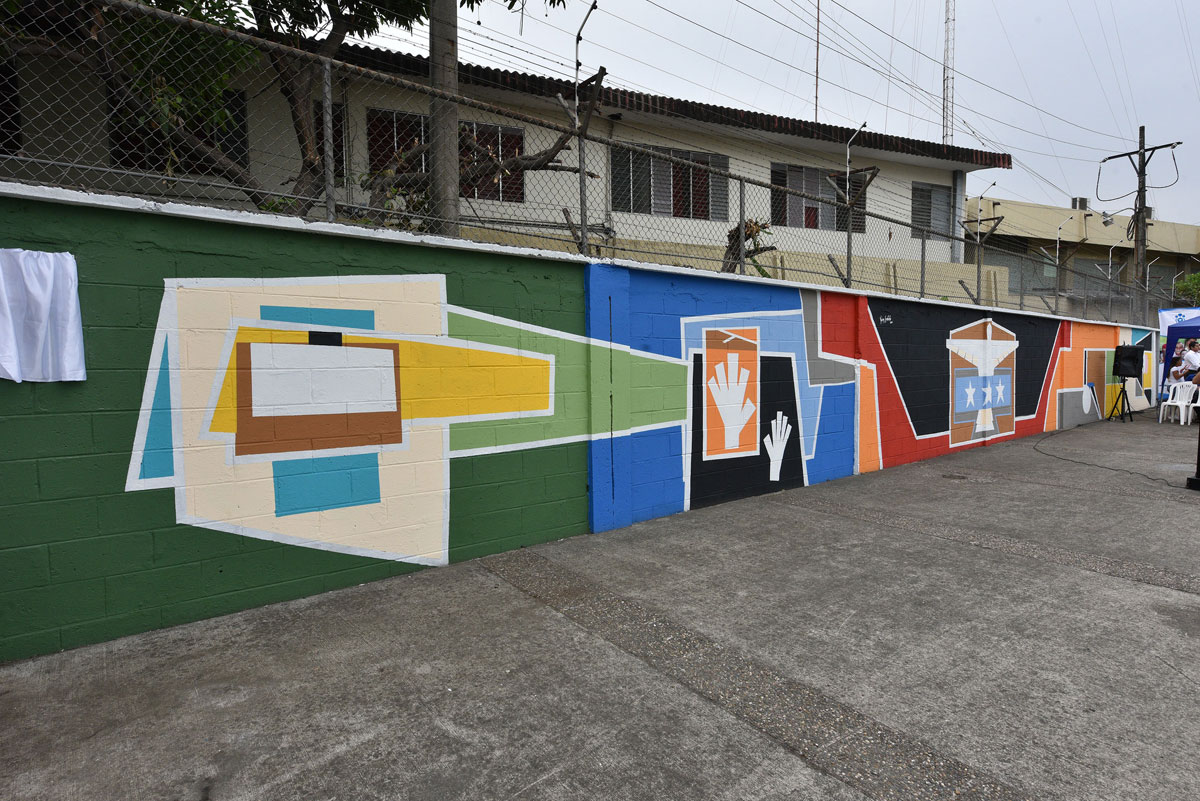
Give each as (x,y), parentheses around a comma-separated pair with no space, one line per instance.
(1189,289)
(173,79)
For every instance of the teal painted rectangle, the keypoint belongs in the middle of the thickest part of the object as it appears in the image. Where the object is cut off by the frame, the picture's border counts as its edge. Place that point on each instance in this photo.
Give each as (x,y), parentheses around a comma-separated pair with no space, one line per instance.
(158,454)
(327,482)
(336,318)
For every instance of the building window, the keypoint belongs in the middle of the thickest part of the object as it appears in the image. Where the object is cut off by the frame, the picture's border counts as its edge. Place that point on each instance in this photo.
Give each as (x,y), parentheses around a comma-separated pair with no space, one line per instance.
(339,135)
(822,213)
(135,143)
(392,134)
(643,184)
(10,109)
(933,209)
(484,141)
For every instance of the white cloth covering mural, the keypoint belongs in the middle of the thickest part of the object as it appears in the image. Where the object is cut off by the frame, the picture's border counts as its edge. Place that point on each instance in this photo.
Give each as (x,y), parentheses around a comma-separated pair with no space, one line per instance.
(41,333)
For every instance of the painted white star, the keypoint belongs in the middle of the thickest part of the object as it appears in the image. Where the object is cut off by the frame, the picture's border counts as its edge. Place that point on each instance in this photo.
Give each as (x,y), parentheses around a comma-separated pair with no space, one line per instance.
(987,394)
(999,393)
(970,395)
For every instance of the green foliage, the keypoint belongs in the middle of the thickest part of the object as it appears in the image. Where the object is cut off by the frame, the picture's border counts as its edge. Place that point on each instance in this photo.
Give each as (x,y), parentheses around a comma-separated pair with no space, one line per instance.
(1189,288)
(181,76)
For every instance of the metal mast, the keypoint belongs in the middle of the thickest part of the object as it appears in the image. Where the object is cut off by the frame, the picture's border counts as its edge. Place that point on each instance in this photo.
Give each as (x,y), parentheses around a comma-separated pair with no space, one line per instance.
(948,78)
(817,72)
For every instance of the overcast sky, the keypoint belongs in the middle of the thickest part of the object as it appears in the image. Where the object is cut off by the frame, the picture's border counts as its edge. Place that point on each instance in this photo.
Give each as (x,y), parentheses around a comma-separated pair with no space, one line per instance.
(1101,66)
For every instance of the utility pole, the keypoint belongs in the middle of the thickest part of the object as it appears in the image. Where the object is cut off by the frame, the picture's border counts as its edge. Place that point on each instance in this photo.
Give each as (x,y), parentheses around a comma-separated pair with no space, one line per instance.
(1144,154)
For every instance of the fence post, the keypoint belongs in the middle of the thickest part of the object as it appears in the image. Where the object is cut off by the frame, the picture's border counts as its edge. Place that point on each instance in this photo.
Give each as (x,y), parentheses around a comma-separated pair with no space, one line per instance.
(583,213)
(1057,277)
(923,236)
(1110,297)
(849,241)
(741,227)
(978,268)
(327,140)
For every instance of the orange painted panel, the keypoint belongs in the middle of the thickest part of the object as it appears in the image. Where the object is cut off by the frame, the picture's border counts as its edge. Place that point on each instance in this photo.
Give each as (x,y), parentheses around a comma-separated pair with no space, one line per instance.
(731,391)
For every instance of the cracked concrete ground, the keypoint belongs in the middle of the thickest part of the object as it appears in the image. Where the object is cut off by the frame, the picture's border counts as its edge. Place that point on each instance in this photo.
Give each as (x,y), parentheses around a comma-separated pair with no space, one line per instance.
(1016,621)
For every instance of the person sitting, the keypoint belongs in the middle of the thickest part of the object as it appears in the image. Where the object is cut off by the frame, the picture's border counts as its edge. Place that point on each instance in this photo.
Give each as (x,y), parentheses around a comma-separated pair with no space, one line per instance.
(1191,358)
(1178,371)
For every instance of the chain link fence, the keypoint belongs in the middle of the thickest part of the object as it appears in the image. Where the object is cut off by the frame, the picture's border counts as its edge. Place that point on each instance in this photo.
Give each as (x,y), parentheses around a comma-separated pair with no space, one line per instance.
(117,97)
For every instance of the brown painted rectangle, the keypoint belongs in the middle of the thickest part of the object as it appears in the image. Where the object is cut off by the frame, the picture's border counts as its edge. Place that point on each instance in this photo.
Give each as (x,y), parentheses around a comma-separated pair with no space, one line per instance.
(309,432)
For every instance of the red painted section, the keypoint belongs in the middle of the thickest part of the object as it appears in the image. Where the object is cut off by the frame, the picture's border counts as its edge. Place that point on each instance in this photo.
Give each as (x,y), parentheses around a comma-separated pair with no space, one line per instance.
(838,319)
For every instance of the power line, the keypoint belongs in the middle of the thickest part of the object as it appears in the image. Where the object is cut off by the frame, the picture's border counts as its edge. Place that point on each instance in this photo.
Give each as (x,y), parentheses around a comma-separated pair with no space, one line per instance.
(976,80)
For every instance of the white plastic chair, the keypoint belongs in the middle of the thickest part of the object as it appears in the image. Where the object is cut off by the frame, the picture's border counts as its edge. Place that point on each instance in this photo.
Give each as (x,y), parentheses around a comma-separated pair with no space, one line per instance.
(1180,397)
(1194,405)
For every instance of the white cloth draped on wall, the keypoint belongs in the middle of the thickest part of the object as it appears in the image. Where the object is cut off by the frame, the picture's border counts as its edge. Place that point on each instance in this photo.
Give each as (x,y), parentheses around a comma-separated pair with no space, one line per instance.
(41,332)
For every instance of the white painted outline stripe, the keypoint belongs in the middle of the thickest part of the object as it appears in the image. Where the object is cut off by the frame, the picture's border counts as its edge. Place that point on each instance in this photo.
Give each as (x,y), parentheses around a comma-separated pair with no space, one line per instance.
(545,443)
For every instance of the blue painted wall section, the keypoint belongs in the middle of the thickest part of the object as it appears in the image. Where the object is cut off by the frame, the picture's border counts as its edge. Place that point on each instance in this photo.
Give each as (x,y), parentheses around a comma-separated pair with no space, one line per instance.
(640,476)
(657,464)
(327,482)
(334,318)
(835,444)
(158,457)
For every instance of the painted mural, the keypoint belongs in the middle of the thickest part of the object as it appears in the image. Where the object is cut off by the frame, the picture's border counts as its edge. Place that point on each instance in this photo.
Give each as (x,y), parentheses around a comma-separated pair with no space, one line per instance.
(325,412)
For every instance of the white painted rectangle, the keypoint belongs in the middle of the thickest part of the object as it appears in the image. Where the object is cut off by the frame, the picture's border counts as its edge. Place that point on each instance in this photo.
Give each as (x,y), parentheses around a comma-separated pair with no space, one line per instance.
(291,379)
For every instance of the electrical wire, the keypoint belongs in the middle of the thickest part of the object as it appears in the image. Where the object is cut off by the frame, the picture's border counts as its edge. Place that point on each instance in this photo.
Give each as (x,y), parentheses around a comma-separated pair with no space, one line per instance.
(973,79)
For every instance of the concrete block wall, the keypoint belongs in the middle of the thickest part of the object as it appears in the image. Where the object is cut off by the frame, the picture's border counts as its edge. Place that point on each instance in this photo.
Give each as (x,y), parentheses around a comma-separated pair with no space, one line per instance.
(540,399)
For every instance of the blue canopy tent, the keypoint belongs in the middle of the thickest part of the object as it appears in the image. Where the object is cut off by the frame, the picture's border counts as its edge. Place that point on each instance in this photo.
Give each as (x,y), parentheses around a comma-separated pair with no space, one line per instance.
(1188,329)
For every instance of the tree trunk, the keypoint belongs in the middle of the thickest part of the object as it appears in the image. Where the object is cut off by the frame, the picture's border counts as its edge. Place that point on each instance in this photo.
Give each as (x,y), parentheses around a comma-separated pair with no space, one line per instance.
(296,82)
(443,117)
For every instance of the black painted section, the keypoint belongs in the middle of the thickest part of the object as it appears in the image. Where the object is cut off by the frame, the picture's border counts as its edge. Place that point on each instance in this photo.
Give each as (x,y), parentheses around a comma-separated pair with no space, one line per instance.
(325,338)
(914,337)
(1037,336)
(720,480)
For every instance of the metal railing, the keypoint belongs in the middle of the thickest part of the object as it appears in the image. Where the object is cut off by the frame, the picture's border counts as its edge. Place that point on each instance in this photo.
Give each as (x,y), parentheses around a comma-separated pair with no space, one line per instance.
(120,97)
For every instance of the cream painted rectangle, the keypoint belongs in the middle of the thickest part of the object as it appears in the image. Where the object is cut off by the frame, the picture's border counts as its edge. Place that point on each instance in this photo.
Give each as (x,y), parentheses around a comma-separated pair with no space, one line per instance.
(294,379)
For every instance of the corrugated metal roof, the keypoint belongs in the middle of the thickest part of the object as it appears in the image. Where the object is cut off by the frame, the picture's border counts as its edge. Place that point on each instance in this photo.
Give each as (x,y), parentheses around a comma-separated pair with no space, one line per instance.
(625,100)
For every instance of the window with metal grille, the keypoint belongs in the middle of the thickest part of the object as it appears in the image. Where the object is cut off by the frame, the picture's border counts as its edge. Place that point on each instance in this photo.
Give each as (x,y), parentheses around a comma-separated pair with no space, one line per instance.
(932,208)
(338,112)
(820,210)
(140,144)
(481,142)
(10,109)
(642,184)
(392,135)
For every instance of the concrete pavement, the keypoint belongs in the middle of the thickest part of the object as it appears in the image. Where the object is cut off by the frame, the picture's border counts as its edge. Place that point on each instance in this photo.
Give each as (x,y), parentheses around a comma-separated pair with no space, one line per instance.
(1016,621)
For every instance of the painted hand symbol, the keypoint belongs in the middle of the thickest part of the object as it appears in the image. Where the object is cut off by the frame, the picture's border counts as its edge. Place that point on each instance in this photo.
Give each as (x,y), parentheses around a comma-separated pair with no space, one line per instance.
(729,393)
(776,442)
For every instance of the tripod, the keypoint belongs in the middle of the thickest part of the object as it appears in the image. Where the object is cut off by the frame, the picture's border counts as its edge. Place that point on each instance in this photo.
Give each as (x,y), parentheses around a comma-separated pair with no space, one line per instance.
(1120,407)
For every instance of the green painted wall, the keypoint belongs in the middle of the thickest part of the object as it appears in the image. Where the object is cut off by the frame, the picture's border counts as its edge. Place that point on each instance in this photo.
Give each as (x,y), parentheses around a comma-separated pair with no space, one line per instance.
(81,560)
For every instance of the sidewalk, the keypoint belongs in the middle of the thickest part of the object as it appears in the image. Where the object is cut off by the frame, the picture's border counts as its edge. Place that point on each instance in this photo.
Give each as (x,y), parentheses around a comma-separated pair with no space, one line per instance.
(1016,621)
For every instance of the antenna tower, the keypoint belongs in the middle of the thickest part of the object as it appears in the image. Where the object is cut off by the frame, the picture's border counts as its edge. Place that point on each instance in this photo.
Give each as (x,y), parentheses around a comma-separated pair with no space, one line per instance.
(948,78)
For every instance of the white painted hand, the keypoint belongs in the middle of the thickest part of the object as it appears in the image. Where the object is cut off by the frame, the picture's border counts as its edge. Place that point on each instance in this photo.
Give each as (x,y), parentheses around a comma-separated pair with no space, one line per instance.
(776,442)
(729,392)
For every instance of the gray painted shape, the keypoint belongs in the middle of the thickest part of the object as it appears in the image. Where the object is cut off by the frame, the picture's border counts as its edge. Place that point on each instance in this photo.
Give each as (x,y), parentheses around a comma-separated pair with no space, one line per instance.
(1070,408)
(820,370)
